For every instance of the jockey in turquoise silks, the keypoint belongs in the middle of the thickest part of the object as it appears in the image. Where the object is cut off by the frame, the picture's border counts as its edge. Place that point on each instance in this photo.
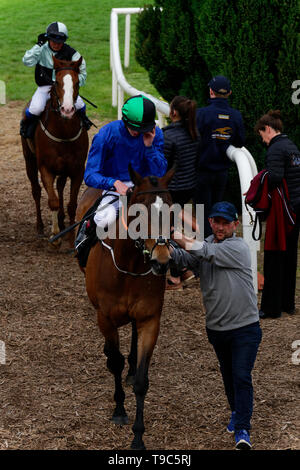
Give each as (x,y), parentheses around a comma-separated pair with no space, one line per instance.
(49,44)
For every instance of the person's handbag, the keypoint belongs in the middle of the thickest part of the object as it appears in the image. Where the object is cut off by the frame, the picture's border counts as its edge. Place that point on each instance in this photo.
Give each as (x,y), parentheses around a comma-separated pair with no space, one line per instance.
(259,199)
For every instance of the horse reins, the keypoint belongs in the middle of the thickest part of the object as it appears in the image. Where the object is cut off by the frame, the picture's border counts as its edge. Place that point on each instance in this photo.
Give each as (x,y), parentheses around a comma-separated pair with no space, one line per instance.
(139,243)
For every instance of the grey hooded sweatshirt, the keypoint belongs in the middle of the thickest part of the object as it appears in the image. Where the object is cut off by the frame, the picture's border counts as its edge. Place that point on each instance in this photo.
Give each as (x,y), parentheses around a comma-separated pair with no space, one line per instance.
(226,281)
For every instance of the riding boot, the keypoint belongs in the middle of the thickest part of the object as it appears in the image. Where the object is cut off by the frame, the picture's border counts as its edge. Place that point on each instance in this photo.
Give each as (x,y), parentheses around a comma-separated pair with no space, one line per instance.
(28,125)
(82,236)
(85,120)
(85,239)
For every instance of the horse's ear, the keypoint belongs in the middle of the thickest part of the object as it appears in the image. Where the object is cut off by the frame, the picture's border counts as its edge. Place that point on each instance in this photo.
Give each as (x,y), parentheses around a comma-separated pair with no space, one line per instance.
(55,62)
(134,176)
(78,63)
(168,176)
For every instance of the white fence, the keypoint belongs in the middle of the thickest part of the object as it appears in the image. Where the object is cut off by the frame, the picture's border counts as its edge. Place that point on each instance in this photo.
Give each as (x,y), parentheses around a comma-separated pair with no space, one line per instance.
(119,82)
(243,159)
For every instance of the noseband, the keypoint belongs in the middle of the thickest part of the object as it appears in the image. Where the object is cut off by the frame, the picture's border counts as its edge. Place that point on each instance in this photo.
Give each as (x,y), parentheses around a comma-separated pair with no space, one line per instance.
(160,241)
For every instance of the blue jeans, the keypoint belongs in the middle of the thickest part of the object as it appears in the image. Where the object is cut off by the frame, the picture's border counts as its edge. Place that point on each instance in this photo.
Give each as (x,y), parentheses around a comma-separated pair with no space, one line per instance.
(236,351)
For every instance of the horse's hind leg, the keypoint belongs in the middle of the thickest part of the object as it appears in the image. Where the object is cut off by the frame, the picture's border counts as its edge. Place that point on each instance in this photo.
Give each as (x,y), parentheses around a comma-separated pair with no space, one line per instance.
(60,185)
(115,364)
(147,337)
(132,358)
(32,173)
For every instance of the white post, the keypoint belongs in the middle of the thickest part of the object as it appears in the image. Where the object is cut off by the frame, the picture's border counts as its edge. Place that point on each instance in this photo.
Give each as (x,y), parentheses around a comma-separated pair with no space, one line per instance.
(114,91)
(127,41)
(2,92)
(120,101)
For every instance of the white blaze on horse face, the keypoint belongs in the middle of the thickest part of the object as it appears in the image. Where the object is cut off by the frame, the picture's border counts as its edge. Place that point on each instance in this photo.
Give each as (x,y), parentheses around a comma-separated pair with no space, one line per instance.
(156,218)
(158,204)
(67,107)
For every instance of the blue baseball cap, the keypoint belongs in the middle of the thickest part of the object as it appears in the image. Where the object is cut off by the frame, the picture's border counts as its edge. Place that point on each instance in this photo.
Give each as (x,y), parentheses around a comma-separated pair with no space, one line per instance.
(224,209)
(220,84)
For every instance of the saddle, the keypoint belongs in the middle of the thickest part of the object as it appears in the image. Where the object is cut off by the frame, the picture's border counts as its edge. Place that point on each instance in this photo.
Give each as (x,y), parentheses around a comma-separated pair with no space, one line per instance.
(87,236)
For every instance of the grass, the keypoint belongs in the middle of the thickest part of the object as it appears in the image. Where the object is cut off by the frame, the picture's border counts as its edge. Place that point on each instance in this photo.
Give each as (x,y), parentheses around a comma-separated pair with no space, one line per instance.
(88,23)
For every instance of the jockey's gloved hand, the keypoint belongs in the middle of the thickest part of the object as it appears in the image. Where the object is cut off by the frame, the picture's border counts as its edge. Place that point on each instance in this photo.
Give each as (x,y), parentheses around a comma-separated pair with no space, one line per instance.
(42,38)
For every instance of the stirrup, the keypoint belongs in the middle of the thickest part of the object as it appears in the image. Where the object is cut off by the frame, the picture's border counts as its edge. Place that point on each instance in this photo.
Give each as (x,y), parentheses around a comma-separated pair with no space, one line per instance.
(87,123)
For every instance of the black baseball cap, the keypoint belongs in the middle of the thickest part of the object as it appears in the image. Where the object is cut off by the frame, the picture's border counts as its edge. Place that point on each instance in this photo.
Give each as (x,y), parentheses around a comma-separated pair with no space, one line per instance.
(224,209)
(220,84)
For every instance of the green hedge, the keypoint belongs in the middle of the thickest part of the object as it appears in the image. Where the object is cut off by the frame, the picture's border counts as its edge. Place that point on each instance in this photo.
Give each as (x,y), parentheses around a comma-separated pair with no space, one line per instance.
(255,43)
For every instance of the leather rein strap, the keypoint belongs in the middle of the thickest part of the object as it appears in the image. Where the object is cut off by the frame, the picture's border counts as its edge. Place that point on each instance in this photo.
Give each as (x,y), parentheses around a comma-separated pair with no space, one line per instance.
(139,243)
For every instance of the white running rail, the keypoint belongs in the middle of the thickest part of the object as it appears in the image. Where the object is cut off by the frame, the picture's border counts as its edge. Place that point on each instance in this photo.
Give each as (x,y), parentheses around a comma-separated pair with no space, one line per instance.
(241,156)
(247,170)
(119,82)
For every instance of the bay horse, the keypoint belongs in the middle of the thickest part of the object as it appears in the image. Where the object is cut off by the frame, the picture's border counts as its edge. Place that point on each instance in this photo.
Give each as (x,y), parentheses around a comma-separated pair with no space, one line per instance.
(125,287)
(59,148)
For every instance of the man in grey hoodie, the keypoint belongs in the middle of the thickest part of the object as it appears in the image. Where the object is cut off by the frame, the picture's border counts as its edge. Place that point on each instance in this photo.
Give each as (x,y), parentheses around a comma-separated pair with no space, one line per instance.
(223,264)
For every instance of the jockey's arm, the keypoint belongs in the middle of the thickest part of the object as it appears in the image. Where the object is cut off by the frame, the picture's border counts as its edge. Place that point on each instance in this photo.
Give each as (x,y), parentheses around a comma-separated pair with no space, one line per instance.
(32,56)
(93,175)
(82,69)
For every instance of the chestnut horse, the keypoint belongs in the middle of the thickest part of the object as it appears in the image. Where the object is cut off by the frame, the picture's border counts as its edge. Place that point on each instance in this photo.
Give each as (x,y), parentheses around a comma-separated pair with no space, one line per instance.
(59,148)
(125,285)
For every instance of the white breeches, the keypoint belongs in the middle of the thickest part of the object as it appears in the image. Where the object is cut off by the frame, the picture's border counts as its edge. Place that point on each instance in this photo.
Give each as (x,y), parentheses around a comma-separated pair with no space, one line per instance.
(40,97)
(105,217)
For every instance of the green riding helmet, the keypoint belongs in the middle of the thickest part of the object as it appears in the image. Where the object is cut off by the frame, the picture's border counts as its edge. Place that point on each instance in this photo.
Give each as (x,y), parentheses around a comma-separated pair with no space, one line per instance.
(138,113)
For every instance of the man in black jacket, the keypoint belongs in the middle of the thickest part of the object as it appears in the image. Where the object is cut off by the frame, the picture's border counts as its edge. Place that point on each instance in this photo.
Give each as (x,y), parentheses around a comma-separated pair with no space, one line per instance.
(219,126)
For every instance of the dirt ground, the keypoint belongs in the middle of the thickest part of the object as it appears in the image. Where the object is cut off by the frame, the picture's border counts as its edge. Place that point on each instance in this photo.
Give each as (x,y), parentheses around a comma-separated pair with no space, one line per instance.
(55,390)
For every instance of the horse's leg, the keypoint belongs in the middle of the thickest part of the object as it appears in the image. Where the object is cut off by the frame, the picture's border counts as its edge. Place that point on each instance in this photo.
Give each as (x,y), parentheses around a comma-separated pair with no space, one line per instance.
(60,185)
(147,337)
(132,358)
(72,206)
(115,364)
(32,173)
(53,201)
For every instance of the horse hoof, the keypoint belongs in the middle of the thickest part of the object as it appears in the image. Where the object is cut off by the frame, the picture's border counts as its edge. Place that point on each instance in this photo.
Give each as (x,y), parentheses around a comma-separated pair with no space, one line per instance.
(137,445)
(130,380)
(120,420)
(56,244)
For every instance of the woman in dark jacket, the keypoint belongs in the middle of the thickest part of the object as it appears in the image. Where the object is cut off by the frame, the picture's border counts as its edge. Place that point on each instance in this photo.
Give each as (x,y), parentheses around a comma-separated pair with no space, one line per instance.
(280,267)
(181,147)
(181,144)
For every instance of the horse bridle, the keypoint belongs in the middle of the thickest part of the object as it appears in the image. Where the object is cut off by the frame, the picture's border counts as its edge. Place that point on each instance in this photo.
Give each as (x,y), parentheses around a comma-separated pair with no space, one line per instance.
(57,110)
(160,241)
(54,88)
(140,243)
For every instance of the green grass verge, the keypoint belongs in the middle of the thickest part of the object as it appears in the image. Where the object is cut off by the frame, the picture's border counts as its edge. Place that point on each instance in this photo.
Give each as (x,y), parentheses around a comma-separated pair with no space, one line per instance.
(88,23)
